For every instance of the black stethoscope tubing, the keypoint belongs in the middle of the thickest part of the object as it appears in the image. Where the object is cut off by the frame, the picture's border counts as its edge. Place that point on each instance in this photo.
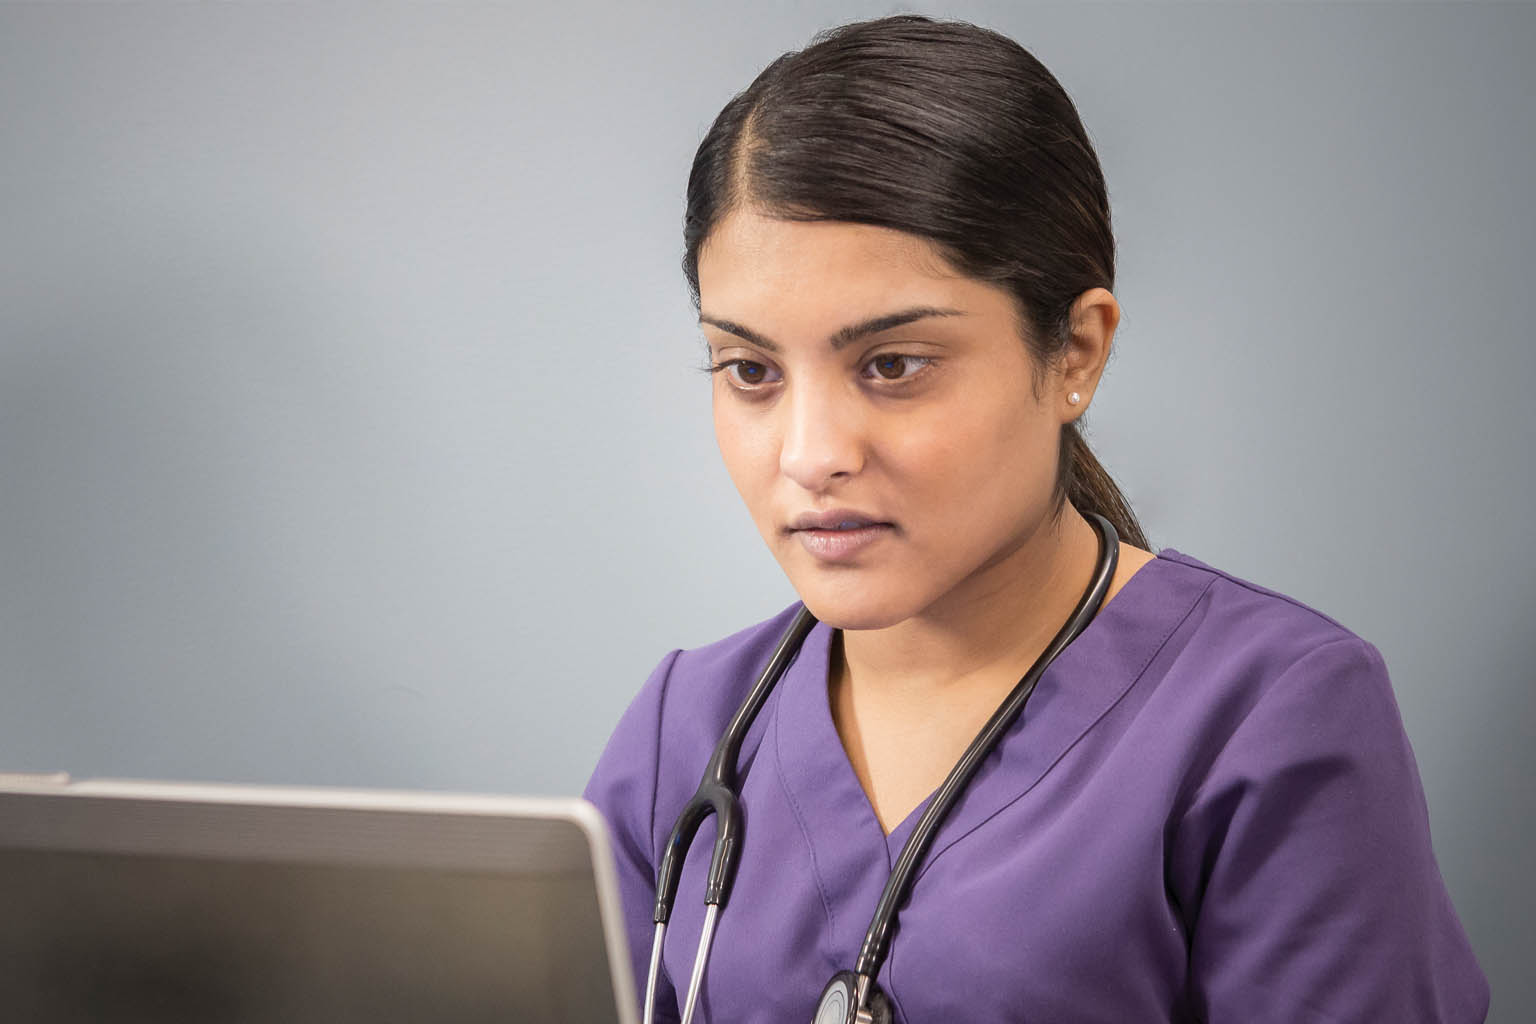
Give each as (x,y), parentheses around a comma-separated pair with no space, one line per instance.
(718,794)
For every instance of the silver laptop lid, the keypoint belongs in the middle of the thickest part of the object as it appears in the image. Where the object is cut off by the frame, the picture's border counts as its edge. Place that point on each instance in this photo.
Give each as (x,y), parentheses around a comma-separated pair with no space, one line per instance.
(139,901)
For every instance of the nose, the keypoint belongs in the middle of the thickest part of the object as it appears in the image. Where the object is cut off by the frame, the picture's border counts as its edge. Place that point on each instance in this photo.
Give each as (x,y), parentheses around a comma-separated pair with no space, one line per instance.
(822,436)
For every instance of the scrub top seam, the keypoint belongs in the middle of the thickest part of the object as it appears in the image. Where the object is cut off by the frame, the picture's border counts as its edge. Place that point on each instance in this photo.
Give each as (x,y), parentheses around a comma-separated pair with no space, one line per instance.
(1135,678)
(1261,591)
(1189,792)
(661,715)
(794,806)
(661,707)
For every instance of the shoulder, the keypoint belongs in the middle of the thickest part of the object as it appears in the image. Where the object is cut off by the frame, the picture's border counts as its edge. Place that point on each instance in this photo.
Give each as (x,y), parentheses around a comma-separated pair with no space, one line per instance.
(666,734)
(1235,666)
(1227,600)
(1254,637)
(1298,779)
(704,685)
(1275,697)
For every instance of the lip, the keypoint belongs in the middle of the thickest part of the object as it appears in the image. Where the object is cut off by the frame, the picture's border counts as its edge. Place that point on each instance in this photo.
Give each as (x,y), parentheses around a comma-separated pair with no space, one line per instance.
(842,545)
(833,518)
(819,534)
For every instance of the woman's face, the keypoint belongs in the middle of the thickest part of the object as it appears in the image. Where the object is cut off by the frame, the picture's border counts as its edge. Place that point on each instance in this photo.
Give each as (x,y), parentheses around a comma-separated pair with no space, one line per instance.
(875,411)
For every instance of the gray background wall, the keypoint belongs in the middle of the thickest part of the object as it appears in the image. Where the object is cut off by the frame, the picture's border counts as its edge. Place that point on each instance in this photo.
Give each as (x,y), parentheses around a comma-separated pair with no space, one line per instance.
(349,430)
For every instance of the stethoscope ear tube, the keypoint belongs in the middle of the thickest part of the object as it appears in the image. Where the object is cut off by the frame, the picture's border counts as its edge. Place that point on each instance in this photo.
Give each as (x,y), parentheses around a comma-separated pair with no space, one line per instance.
(717,790)
(716,795)
(709,799)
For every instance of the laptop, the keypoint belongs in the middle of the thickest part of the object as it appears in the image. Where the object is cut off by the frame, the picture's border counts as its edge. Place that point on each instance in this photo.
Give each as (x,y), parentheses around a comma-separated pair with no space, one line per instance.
(126,901)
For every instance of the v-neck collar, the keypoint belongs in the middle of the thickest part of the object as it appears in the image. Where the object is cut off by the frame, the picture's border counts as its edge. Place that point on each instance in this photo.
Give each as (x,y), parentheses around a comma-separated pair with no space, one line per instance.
(850,851)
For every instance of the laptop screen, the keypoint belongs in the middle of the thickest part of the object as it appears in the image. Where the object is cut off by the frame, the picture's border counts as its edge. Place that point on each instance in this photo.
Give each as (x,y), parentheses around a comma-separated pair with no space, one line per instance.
(127,902)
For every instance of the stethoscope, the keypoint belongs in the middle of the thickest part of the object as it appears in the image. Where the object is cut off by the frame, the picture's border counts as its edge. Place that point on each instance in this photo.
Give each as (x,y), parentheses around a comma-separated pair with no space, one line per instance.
(851,997)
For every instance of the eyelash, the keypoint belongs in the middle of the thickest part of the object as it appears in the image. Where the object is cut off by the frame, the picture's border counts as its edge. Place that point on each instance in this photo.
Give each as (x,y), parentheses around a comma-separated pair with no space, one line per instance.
(727,365)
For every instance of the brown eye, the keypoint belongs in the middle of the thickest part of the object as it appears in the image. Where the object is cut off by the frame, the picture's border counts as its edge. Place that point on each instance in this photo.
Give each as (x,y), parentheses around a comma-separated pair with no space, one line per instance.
(744,374)
(897,367)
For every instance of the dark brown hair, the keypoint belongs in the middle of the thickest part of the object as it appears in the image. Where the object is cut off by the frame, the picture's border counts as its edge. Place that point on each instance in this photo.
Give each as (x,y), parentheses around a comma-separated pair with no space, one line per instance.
(943,130)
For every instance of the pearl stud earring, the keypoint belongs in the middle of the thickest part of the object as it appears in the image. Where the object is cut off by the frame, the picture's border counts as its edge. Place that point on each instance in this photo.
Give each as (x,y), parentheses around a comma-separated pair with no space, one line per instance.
(1074,398)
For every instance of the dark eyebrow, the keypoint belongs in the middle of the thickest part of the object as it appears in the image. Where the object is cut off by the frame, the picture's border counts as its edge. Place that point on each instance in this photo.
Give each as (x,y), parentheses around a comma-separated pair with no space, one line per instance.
(843,336)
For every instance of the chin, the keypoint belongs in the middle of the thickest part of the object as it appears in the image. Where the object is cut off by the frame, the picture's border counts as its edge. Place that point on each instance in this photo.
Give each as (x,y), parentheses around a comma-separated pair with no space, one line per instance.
(850,605)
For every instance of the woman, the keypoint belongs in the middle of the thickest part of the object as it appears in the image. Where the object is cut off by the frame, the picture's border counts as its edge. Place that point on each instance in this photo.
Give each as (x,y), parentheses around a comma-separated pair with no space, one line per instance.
(899,242)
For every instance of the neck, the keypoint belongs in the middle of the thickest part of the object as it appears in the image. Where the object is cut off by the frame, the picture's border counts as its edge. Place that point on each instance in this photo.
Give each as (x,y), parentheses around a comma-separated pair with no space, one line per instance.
(986,633)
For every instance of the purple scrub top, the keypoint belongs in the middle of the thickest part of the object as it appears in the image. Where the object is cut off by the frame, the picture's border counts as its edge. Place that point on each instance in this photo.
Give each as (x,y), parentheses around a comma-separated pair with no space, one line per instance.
(1208,811)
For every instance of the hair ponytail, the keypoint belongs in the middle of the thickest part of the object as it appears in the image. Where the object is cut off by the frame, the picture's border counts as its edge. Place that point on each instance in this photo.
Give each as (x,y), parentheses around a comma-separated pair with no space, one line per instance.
(1084,481)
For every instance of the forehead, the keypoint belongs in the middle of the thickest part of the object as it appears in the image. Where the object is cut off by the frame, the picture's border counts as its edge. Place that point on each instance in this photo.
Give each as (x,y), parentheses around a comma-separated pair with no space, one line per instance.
(756,265)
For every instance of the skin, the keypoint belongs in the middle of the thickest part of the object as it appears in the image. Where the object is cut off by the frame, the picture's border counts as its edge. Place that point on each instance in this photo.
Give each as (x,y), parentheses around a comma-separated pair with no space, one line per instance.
(936,426)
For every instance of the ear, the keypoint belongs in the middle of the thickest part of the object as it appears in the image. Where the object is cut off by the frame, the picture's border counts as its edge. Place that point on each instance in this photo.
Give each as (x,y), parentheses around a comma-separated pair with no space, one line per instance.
(1092,321)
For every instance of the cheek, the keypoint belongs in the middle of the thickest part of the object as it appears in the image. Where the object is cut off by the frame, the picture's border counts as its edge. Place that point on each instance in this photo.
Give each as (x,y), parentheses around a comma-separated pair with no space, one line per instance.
(747,448)
(984,460)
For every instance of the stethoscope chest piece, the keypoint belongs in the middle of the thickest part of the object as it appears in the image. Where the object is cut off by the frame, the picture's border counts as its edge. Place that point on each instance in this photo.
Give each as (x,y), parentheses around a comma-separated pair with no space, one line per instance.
(840,1004)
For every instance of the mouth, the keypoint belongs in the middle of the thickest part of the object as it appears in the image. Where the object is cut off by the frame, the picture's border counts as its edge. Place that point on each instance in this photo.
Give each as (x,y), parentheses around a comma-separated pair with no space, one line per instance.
(838,536)
(834,521)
